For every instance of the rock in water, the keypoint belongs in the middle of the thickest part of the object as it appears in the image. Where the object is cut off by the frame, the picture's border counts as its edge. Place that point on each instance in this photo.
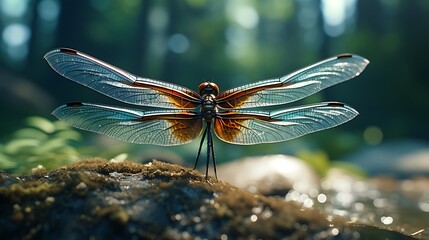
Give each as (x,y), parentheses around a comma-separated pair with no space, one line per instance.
(99,199)
(273,175)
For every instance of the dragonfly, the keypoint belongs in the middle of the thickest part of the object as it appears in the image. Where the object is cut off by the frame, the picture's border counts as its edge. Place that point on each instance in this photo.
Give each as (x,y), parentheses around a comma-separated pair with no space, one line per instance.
(177,115)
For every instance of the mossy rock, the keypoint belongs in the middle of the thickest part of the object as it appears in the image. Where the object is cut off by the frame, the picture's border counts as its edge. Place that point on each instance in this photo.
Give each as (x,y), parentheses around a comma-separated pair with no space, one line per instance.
(99,199)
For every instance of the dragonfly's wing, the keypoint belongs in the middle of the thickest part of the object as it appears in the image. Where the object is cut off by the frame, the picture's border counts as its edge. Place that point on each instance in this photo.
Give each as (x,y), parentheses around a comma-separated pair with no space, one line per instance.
(119,84)
(162,127)
(252,127)
(294,86)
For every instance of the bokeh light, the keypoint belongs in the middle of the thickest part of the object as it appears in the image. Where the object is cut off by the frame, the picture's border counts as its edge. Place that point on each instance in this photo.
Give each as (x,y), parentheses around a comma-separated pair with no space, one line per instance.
(16,34)
(13,8)
(335,14)
(48,10)
(373,135)
(178,43)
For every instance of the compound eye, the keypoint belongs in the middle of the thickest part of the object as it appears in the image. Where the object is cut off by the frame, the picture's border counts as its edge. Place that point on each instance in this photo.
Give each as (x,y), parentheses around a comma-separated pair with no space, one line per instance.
(208,88)
(202,87)
(215,88)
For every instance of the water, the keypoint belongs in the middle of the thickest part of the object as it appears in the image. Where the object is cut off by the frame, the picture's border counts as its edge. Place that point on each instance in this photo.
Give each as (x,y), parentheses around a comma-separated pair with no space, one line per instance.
(401,205)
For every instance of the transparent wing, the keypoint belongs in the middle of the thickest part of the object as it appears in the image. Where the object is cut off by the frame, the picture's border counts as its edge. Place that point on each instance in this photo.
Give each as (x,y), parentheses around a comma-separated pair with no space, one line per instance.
(294,86)
(163,127)
(119,84)
(251,127)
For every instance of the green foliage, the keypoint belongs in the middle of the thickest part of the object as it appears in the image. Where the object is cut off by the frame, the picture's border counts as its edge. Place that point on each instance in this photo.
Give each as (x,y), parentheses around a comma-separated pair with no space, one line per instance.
(320,161)
(41,142)
(350,168)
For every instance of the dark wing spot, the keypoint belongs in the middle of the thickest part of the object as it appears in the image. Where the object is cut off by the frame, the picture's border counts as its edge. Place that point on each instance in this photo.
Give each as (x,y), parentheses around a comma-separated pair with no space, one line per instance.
(347,55)
(336,104)
(68,51)
(74,104)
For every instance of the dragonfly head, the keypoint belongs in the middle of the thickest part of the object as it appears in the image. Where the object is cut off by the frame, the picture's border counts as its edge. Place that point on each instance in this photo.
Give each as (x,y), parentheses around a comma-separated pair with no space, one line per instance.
(208,88)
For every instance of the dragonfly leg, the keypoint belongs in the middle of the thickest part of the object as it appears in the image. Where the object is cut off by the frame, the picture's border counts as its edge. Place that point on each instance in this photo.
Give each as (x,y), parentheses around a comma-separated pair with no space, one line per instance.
(199,149)
(210,143)
(208,150)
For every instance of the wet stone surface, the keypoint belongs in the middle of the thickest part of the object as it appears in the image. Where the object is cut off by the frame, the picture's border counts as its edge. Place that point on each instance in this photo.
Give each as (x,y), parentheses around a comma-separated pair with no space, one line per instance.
(99,199)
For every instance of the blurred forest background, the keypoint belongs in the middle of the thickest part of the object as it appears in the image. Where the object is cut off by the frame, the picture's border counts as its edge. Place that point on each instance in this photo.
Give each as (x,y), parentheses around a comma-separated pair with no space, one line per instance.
(230,43)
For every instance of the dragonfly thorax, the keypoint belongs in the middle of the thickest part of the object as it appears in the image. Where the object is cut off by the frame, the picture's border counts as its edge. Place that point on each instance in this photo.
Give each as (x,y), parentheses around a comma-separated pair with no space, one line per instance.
(208,107)
(208,92)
